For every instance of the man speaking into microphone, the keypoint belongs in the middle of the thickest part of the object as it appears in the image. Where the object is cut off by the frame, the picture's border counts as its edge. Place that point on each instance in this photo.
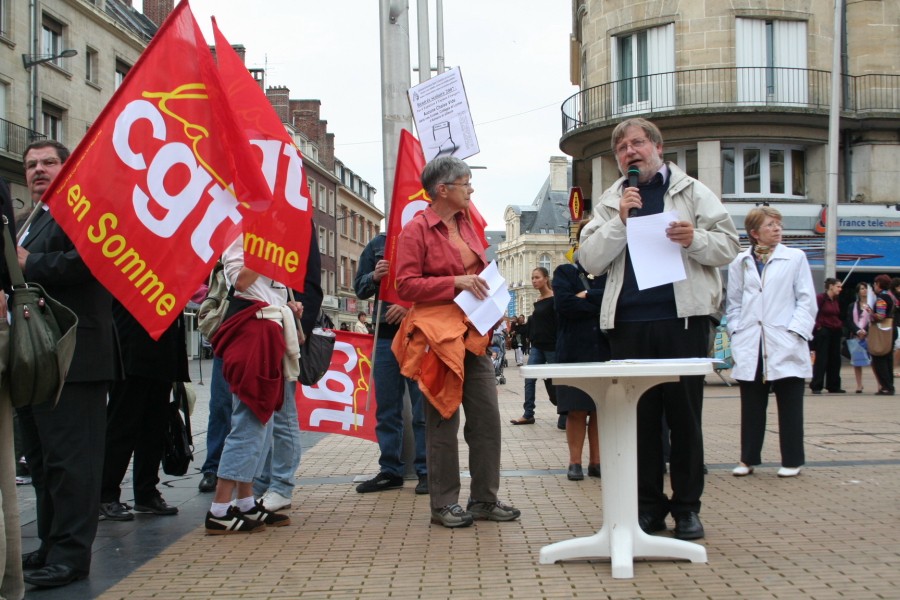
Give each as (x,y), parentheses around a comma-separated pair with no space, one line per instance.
(667,321)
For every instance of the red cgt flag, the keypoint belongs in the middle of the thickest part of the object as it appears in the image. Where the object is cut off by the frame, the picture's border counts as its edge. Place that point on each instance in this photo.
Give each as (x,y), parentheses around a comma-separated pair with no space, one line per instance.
(337,403)
(408,200)
(277,238)
(151,197)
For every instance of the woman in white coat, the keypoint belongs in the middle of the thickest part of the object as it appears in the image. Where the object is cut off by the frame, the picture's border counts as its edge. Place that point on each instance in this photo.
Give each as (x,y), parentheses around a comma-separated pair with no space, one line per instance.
(771,314)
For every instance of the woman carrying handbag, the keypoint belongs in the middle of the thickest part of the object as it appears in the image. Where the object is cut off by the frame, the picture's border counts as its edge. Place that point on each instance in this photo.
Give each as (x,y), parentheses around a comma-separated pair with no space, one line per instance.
(858,324)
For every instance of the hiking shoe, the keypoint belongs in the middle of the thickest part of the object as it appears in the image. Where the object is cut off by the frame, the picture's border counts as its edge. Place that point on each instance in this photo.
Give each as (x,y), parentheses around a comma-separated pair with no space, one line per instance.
(422,486)
(380,482)
(234,521)
(269,518)
(115,511)
(273,501)
(492,511)
(451,515)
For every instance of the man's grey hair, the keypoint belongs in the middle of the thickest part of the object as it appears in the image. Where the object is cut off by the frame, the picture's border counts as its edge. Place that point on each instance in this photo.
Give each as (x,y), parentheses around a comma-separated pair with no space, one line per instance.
(445,169)
(650,130)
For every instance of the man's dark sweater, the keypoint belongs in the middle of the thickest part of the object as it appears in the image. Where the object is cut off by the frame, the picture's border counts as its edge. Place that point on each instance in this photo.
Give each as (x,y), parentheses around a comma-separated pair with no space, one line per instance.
(652,304)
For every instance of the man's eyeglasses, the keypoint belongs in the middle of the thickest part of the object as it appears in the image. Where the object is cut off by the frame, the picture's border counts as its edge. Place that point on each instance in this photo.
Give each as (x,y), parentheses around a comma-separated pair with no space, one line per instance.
(636,144)
(47,162)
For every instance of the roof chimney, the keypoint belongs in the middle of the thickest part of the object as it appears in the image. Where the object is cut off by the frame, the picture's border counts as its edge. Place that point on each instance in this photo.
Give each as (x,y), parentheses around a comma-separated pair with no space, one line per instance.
(559,174)
(158,10)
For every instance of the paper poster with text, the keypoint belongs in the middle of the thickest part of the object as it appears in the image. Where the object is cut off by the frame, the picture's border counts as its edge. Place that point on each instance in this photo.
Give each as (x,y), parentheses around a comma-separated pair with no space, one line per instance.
(442,116)
(341,402)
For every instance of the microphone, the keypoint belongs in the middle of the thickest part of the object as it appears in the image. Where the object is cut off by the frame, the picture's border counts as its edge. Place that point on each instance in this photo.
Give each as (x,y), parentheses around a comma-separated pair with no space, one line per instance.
(633,174)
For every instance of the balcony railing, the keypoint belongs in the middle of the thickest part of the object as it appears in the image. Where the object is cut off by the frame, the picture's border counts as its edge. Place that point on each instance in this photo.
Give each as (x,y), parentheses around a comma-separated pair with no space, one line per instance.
(732,86)
(15,138)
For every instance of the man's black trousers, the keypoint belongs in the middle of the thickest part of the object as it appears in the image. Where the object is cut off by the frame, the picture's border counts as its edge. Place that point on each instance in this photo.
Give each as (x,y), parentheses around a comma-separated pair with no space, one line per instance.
(681,403)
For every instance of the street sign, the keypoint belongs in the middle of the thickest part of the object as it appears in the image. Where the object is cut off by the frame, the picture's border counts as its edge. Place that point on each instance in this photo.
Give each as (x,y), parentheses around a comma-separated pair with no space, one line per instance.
(576,204)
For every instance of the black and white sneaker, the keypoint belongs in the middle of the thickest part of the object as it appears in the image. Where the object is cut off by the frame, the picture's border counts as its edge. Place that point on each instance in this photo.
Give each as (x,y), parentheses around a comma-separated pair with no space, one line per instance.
(268,517)
(234,521)
(382,481)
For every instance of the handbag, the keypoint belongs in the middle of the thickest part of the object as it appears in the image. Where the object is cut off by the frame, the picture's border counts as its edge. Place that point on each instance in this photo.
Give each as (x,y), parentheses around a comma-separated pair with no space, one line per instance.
(215,305)
(315,353)
(881,341)
(179,451)
(41,337)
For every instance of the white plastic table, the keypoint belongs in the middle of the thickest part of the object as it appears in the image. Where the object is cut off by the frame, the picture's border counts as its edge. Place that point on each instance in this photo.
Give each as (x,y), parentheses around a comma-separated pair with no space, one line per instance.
(616,389)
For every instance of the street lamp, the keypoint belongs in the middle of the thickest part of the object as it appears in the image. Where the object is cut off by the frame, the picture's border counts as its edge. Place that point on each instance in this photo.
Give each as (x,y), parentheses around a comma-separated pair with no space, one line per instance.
(29,60)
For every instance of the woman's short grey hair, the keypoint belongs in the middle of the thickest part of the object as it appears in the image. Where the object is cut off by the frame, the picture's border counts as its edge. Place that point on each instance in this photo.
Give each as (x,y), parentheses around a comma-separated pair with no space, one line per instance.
(445,169)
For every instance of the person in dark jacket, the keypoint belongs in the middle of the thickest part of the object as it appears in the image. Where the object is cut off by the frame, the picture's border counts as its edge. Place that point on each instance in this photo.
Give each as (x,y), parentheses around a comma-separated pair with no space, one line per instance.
(827,340)
(64,443)
(541,330)
(136,416)
(577,297)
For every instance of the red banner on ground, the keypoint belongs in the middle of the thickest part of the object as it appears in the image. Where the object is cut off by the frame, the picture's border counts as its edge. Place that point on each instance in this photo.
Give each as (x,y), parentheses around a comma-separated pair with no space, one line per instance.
(276,241)
(337,404)
(151,197)
(408,200)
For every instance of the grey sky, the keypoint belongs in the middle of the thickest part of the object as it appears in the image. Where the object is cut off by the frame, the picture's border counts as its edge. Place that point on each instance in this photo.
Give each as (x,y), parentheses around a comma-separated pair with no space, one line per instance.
(513,57)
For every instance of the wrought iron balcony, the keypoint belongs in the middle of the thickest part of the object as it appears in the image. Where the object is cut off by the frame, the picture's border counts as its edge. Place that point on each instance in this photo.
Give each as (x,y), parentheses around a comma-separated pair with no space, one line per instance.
(15,138)
(727,87)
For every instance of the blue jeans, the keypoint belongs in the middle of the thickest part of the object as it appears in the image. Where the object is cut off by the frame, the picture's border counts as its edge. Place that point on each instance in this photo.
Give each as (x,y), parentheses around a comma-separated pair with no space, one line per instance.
(283,456)
(219,417)
(246,444)
(389,385)
(538,357)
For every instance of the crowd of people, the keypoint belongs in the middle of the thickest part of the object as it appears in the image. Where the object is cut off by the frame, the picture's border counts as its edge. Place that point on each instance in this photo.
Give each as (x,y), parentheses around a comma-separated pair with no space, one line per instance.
(113,404)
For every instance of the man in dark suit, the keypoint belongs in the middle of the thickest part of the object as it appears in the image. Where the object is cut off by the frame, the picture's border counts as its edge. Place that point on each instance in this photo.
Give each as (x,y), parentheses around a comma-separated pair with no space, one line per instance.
(64,443)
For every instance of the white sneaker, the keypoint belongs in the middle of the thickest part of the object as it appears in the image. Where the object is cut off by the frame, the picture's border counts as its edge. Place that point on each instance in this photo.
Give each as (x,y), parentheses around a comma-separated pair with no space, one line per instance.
(742,470)
(273,501)
(786,472)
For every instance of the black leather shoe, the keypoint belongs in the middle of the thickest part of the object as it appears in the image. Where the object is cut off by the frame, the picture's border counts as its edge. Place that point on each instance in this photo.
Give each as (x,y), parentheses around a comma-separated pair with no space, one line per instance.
(650,524)
(594,470)
(688,526)
(157,506)
(209,482)
(55,576)
(34,560)
(115,511)
(575,472)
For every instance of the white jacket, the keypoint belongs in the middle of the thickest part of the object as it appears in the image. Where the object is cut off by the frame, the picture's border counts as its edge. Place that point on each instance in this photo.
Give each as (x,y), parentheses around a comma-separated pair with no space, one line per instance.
(603,242)
(766,310)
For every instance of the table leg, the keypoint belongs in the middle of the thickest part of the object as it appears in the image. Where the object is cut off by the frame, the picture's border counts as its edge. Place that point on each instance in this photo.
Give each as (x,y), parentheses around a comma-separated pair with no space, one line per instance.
(621,538)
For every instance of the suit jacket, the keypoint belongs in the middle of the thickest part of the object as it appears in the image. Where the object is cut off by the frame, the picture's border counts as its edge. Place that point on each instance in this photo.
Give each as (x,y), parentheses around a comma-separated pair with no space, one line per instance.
(55,264)
(164,359)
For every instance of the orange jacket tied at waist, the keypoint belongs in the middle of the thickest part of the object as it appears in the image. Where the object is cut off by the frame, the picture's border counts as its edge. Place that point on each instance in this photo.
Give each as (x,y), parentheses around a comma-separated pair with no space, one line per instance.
(431,348)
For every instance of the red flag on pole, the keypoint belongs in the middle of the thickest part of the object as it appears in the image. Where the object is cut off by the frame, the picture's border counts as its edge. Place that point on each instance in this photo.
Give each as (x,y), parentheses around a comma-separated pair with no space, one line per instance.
(151,197)
(276,241)
(337,403)
(408,200)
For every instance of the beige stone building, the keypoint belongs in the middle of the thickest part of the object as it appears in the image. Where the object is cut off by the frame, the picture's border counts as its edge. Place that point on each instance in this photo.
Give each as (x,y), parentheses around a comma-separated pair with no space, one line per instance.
(741,93)
(60,98)
(537,235)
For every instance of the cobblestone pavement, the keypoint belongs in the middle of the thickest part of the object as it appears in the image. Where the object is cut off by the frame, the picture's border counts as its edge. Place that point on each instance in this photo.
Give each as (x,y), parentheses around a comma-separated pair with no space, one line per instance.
(829,533)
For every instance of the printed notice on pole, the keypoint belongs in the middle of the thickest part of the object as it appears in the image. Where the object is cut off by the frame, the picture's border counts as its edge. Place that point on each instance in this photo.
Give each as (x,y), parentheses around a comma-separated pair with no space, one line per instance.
(442,116)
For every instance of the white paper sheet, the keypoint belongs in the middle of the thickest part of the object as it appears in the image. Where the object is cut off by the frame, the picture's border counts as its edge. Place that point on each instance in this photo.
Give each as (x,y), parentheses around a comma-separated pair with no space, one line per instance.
(656,259)
(484,314)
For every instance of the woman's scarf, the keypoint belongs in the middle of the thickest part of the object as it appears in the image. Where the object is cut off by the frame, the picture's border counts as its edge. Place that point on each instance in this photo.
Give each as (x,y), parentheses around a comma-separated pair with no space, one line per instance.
(762,253)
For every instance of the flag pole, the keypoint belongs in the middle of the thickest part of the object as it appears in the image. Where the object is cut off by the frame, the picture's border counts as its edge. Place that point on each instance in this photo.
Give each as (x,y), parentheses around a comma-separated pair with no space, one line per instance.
(374,350)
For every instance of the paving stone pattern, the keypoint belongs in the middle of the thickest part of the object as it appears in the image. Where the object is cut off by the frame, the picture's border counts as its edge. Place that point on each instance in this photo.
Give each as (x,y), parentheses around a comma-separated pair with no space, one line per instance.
(829,533)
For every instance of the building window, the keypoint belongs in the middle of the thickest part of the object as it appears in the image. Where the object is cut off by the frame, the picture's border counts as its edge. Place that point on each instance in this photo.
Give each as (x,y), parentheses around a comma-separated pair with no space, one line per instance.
(91,65)
(330,243)
(323,281)
(771,61)
(331,279)
(685,158)
(643,65)
(352,227)
(331,202)
(546,263)
(344,218)
(352,270)
(122,69)
(323,249)
(4,18)
(764,170)
(322,198)
(53,122)
(51,42)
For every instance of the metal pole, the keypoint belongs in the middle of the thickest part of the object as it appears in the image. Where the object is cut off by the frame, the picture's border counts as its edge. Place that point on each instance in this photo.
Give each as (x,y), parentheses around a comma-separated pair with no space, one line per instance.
(424,42)
(35,49)
(439,21)
(834,123)
(395,81)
